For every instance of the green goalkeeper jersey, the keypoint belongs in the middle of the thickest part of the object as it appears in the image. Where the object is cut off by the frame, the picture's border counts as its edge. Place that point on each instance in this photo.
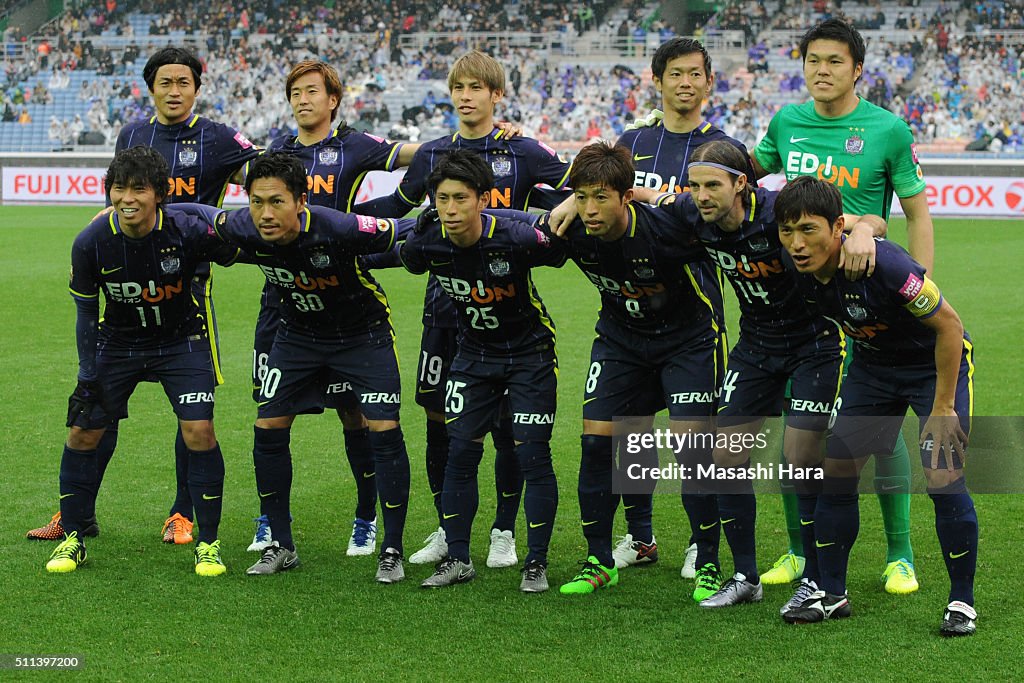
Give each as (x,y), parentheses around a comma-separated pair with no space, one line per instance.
(868,154)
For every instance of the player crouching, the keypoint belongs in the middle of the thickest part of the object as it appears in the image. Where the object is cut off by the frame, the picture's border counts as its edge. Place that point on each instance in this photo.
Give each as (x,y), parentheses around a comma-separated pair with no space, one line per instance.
(911,350)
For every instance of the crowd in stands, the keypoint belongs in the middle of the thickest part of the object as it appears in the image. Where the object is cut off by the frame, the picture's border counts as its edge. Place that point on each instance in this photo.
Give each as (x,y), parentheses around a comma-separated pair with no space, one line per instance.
(957,87)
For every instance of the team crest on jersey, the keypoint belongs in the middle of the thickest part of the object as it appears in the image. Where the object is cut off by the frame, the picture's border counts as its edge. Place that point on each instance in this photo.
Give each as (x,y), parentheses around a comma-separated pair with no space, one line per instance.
(498,265)
(188,157)
(758,243)
(856,312)
(854,144)
(501,167)
(320,259)
(328,156)
(170,264)
(642,268)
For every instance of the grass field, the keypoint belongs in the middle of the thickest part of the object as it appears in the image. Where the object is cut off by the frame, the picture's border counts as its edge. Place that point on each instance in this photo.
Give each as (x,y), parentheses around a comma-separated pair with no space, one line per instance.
(136,610)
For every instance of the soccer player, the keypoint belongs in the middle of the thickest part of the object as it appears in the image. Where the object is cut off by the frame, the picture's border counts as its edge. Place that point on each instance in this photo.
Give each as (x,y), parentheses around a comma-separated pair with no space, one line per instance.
(476,83)
(336,160)
(912,350)
(781,343)
(868,153)
(657,337)
(203,157)
(142,257)
(506,343)
(682,74)
(335,322)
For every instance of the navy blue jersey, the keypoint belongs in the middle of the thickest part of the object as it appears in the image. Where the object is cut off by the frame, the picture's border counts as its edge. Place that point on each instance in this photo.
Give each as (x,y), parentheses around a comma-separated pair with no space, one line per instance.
(336,165)
(881,313)
(500,314)
(145,282)
(773,316)
(660,156)
(655,279)
(518,164)
(324,292)
(202,155)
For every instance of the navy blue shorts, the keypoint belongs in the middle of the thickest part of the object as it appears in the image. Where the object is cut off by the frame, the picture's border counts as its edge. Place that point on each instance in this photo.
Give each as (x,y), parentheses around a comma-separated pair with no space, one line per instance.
(300,370)
(185,372)
(755,384)
(338,392)
(476,390)
(633,375)
(873,403)
(437,350)
(202,294)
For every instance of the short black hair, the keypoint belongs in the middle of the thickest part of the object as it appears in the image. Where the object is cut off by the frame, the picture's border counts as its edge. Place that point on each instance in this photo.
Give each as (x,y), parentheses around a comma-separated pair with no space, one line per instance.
(465,166)
(172,55)
(840,31)
(139,167)
(286,167)
(604,165)
(806,195)
(678,47)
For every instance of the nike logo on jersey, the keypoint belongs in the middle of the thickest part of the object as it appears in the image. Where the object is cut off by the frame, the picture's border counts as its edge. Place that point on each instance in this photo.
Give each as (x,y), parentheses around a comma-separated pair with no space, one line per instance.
(819,544)
(439,263)
(537,525)
(705,527)
(209,497)
(66,495)
(265,495)
(806,522)
(449,420)
(509,495)
(367,475)
(637,157)
(589,523)
(391,506)
(793,140)
(954,556)
(726,521)
(450,516)
(425,391)
(108,271)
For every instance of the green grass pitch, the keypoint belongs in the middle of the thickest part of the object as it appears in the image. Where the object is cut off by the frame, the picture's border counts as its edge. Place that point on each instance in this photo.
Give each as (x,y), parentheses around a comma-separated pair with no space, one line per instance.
(136,610)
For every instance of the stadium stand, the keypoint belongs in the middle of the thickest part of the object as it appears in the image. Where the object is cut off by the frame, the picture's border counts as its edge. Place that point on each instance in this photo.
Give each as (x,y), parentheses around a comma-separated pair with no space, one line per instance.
(79,80)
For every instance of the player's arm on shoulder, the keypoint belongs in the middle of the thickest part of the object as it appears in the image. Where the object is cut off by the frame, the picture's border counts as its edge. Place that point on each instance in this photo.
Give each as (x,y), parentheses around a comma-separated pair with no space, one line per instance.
(562,216)
(411,255)
(406,152)
(857,257)
(650,119)
(541,250)
(942,425)
(765,158)
(920,230)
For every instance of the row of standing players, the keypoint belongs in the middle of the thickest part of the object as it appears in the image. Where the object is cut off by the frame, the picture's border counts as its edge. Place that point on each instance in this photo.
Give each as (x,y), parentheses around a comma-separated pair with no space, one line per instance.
(518,165)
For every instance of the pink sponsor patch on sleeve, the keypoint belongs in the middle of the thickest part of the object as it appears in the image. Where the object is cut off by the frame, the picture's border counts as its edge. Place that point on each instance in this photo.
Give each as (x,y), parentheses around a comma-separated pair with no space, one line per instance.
(912,287)
(541,237)
(367,224)
(913,153)
(548,149)
(242,141)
